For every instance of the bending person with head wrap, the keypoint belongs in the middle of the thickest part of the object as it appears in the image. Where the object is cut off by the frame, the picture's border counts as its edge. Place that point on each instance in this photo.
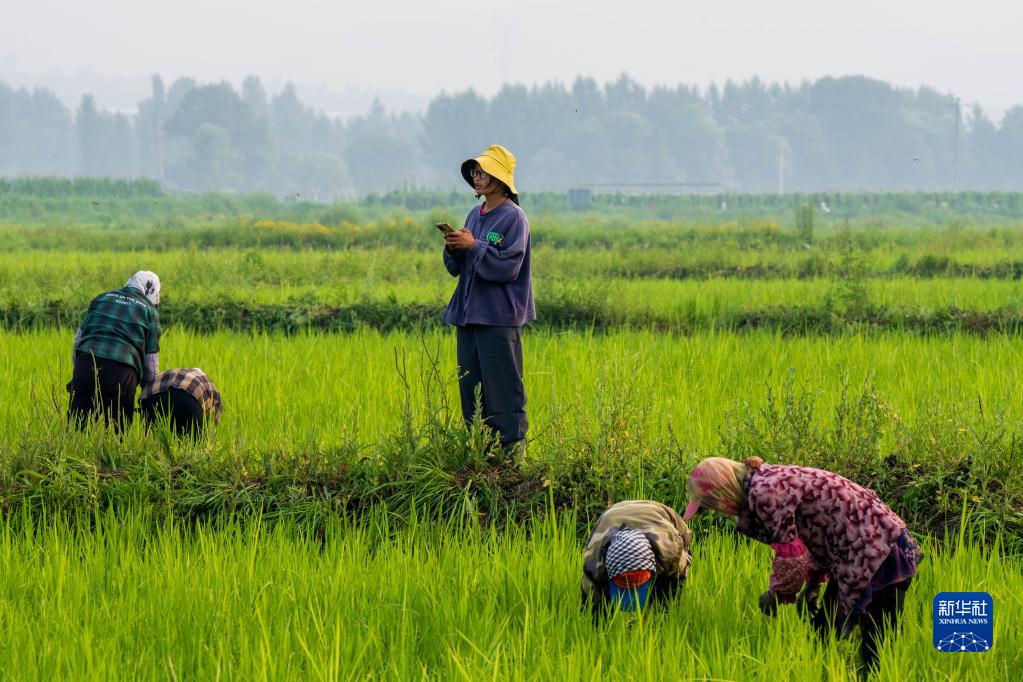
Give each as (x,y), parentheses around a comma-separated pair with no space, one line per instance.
(116,348)
(822,526)
(185,397)
(638,553)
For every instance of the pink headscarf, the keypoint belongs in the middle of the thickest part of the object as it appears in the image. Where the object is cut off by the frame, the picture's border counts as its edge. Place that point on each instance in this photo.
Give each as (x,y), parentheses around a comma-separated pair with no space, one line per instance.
(716,483)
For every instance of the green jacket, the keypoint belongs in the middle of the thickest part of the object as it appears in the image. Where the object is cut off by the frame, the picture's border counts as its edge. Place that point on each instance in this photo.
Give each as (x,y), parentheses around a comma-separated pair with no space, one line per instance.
(121,325)
(669,536)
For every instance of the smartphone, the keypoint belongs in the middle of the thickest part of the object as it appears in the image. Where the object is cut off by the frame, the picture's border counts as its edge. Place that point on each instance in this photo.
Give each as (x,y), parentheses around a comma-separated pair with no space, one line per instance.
(445,228)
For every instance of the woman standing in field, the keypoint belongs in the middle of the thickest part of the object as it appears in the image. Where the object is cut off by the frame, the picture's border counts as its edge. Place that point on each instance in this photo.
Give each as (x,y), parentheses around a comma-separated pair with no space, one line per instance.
(493,299)
(819,524)
(116,347)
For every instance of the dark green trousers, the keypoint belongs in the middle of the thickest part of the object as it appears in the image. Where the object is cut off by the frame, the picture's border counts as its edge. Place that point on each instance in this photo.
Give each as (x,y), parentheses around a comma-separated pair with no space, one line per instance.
(491,358)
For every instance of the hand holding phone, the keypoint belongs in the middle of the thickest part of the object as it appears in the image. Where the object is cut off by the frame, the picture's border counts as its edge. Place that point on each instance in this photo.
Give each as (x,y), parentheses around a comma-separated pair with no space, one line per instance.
(457,240)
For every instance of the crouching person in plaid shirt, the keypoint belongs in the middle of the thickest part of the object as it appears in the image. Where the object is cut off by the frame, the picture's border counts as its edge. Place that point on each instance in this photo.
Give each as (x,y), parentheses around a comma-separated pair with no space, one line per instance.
(186,397)
(116,348)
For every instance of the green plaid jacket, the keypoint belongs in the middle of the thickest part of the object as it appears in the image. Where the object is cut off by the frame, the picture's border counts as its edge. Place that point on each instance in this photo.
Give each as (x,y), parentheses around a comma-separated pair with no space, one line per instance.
(121,325)
(192,381)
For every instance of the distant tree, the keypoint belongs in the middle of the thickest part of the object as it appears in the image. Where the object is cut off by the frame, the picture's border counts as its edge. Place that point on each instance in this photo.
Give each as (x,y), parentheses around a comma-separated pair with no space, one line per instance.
(106,142)
(214,164)
(455,127)
(6,131)
(753,150)
(378,162)
(808,164)
(383,151)
(218,104)
(865,130)
(684,125)
(256,142)
(45,139)
(510,115)
(120,159)
(625,95)
(833,133)
(981,152)
(1010,137)
(159,114)
(617,146)
(149,123)
(248,139)
(90,137)
(176,94)
(254,95)
(159,92)
(713,98)
(588,99)
(297,129)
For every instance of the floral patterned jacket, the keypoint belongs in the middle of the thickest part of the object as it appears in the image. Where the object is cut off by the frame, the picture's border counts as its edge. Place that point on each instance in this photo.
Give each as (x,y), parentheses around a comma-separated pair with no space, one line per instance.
(818,522)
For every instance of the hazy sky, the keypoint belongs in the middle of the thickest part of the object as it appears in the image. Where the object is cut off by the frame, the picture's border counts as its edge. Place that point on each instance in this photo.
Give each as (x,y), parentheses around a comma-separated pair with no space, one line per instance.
(972,49)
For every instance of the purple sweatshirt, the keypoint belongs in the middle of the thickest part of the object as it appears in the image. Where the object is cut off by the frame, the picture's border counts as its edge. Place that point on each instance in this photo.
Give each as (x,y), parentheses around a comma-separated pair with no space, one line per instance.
(495,287)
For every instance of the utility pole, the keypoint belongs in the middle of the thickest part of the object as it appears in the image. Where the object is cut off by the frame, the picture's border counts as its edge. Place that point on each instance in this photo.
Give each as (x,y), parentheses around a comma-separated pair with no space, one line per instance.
(159,143)
(955,150)
(781,166)
(159,99)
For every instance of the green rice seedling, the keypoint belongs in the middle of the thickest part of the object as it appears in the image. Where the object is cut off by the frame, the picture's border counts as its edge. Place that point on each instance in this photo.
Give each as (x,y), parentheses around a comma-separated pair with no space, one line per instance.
(125,596)
(340,384)
(315,423)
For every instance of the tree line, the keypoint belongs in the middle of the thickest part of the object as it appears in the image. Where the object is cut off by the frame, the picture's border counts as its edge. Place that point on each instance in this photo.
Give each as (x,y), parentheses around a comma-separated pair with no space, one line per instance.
(850,133)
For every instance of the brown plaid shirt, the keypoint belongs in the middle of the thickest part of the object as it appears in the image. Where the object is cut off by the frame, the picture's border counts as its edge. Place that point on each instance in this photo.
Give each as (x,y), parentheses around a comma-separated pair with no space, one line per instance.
(669,536)
(192,381)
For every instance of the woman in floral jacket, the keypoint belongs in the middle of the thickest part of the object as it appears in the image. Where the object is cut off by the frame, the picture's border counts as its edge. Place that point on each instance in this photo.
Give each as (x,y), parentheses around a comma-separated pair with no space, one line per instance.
(821,526)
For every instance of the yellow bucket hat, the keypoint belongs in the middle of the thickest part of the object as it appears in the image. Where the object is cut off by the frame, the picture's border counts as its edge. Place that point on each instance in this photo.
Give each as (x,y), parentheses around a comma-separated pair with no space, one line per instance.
(497,162)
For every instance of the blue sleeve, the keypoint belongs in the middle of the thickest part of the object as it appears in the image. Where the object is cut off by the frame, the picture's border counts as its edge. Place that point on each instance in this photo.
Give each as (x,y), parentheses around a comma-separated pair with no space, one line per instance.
(501,263)
(453,261)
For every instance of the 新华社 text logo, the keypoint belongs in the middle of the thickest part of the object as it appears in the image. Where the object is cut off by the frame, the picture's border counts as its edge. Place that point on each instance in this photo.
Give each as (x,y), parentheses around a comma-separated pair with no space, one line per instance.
(963,622)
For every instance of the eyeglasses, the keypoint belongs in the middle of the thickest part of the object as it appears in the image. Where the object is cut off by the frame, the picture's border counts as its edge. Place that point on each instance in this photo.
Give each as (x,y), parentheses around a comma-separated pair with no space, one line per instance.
(478,174)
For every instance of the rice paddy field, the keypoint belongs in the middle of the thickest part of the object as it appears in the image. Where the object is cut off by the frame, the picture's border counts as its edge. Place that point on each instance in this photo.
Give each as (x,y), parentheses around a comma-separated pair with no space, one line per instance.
(342,523)
(123,597)
(335,279)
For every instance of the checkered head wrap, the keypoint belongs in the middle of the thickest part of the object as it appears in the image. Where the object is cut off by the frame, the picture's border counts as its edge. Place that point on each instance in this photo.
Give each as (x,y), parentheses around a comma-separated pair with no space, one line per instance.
(629,550)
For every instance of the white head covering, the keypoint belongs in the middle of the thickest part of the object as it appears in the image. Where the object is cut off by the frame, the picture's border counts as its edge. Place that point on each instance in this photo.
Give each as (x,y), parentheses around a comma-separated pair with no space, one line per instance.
(148,283)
